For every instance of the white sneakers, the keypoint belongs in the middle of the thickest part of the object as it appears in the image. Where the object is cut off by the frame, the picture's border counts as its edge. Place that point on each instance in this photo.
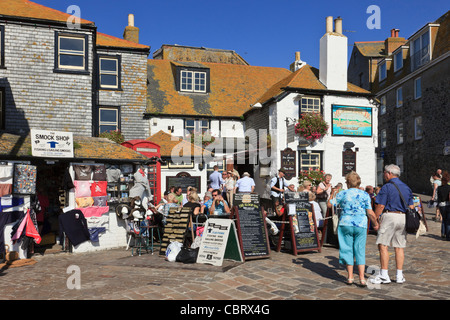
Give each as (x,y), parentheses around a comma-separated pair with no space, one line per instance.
(385,280)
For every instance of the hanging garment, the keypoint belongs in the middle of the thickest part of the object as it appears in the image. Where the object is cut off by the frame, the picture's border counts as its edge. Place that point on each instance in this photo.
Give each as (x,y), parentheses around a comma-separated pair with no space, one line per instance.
(6,174)
(30,230)
(98,188)
(100,201)
(94,233)
(94,211)
(67,182)
(18,229)
(74,225)
(7,218)
(82,189)
(82,172)
(99,173)
(84,202)
(11,204)
(97,222)
(5,189)
(24,179)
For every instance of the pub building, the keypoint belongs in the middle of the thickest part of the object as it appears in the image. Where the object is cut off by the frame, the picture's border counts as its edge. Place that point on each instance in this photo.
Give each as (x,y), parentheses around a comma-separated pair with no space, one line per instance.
(95,176)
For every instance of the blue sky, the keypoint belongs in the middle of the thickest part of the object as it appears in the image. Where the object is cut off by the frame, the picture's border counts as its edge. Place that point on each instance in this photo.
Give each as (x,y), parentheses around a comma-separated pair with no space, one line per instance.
(264,32)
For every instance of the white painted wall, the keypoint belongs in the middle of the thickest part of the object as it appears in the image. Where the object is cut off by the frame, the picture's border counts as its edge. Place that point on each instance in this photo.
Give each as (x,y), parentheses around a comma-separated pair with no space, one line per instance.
(333,61)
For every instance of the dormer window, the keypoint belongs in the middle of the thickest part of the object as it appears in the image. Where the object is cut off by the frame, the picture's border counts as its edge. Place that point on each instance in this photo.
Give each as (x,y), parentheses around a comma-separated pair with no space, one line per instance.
(398,60)
(194,80)
(383,71)
(420,53)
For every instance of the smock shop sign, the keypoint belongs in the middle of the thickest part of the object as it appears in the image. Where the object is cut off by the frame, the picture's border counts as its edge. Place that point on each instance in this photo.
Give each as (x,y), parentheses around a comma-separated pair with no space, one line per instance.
(51,144)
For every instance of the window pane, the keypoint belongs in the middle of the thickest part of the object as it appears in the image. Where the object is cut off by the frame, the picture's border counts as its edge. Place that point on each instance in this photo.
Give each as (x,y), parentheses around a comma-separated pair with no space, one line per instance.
(72,44)
(71,60)
(108,115)
(418,88)
(106,128)
(108,65)
(108,80)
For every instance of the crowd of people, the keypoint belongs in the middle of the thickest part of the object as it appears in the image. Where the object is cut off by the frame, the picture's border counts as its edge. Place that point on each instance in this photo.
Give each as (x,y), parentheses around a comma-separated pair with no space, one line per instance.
(356,206)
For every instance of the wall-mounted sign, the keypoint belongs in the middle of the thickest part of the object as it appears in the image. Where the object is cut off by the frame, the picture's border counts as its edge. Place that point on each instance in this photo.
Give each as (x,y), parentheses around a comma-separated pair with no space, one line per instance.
(51,144)
(288,160)
(351,121)
(348,162)
(184,180)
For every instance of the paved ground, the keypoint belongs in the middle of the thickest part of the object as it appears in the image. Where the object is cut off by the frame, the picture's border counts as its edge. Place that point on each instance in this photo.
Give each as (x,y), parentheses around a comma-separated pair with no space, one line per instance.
(116,275)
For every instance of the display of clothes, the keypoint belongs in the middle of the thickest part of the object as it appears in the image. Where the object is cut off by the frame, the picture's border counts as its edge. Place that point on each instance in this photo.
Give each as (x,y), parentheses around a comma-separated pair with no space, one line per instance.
(6,179)
(91,196)
(74,225)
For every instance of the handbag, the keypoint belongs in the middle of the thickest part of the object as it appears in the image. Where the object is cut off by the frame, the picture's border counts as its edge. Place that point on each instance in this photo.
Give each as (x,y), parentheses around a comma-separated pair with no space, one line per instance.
(412,219)
(187,255)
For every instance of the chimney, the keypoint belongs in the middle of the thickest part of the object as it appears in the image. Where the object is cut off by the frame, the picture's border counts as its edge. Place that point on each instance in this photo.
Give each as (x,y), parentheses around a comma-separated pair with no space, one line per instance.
(298,63)
(131,33)
(333,56)
(393,42)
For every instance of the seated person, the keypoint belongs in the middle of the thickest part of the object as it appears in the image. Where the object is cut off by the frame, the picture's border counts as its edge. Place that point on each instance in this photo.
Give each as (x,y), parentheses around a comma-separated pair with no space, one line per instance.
(217,205)
(205,203)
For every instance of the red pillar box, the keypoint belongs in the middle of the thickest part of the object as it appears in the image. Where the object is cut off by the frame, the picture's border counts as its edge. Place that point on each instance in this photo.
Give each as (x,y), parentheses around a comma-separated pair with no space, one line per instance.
(153,152)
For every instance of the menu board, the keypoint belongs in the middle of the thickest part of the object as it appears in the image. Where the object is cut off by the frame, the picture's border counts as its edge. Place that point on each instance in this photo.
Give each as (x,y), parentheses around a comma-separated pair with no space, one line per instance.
(184,180)
(251,225)
(288,161)
(348,162)
(302,222)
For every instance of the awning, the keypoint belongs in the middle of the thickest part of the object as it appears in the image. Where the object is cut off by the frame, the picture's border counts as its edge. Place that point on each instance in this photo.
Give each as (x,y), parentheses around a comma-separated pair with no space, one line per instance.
(85,148)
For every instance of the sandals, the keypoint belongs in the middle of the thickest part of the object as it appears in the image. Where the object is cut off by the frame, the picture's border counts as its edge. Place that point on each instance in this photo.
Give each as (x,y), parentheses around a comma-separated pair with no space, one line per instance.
(362,283)
(349,281)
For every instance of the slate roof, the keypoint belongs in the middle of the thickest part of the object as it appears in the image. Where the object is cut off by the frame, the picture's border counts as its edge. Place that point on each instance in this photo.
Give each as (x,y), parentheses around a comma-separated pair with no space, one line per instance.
(86,148)
(375,49)
(170,144)
(233,88)
(105,40)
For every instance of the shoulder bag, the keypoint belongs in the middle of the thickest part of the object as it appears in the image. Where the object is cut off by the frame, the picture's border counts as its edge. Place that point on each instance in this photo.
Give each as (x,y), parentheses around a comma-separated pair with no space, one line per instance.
(412,222)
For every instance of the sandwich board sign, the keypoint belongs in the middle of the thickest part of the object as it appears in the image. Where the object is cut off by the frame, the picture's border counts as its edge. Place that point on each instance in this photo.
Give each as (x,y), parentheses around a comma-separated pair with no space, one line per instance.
(219,241)
(51,144)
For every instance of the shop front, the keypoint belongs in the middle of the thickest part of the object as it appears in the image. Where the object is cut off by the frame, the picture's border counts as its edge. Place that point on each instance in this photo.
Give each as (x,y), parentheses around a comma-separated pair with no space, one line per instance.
(46,192)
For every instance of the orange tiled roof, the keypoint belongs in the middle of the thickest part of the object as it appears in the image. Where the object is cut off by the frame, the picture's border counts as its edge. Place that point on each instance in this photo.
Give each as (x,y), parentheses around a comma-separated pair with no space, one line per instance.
(306,77)
(170,144)
(28,9)
(86,148)
(104,40)
(233,88)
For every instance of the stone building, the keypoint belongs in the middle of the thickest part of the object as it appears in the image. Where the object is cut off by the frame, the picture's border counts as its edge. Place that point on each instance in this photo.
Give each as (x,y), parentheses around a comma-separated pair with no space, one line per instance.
(56,75)
(412,85)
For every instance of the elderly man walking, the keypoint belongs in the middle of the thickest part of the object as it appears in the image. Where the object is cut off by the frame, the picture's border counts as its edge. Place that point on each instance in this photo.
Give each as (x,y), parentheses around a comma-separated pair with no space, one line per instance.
(390,209)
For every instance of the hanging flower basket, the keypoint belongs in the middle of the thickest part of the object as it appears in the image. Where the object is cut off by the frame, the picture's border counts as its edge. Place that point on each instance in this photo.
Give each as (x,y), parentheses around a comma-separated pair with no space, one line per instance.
(311,126)
(315,176)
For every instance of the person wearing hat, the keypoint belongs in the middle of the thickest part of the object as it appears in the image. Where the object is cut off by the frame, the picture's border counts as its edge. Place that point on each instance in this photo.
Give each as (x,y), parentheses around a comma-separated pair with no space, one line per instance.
(277,188)
(245,184)
(230,183)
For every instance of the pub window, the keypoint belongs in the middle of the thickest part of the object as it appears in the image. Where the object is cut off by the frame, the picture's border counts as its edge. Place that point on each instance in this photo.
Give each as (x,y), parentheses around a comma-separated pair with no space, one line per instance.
(109,72)
(192,126)
(311,161)
(71,52)
(418,128)
(2,46)
(399,97)
(309,104)
(383,137)
(109,119)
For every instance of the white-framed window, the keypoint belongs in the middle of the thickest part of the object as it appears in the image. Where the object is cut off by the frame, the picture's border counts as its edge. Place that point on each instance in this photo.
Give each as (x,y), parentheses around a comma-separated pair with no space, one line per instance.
(420,53)
(71,52)
(383,105)
(108,119)
(418,128)
(383,137)
(418,88)
(383,71)
(399,97)
(310,104)
(109,72)
(398,60)
(196,125)
(193,81)
(400,133)
(399,161)
(310,161)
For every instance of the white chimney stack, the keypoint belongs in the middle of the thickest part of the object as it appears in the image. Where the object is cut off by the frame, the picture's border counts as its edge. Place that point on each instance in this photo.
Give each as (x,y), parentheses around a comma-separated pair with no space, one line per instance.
(131,20)
(333,56)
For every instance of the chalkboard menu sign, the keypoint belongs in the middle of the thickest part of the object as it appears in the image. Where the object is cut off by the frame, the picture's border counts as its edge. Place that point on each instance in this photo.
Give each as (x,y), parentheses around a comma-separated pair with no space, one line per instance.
(302,222)
(251,226)
(184,180)
(348,162)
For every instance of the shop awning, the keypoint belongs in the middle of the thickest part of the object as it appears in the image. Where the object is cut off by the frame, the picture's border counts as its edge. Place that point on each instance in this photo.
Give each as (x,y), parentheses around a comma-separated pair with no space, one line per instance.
(85,148)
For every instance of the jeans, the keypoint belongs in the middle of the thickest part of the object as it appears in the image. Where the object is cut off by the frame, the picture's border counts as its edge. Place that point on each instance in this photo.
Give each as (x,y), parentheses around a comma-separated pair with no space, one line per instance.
(445,228)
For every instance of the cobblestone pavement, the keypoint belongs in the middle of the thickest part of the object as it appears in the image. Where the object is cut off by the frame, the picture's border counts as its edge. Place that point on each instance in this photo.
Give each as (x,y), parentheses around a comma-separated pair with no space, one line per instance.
(116,275)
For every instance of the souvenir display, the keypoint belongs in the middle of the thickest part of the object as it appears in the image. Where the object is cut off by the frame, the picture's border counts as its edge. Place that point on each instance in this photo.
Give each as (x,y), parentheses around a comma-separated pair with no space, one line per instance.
(24,179)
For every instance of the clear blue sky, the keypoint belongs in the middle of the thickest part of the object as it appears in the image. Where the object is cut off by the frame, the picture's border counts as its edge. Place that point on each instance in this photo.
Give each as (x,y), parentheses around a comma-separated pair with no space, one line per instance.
(263,32)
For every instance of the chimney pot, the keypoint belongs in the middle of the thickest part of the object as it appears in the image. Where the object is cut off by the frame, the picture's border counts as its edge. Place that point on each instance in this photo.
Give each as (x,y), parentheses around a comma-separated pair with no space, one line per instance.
(392,33)
(297,56)
(131,20)
(338,25)
(396,32)
(329,24)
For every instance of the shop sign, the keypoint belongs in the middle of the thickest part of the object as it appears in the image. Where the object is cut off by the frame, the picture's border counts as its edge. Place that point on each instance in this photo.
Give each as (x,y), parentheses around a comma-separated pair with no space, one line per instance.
(51,144)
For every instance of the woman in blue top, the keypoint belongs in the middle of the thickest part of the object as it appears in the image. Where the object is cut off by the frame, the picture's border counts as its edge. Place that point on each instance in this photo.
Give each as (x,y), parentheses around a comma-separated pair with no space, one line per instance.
(352,229)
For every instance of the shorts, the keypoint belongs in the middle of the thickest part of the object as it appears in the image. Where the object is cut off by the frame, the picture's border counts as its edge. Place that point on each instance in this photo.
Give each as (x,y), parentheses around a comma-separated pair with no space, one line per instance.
(392,232)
